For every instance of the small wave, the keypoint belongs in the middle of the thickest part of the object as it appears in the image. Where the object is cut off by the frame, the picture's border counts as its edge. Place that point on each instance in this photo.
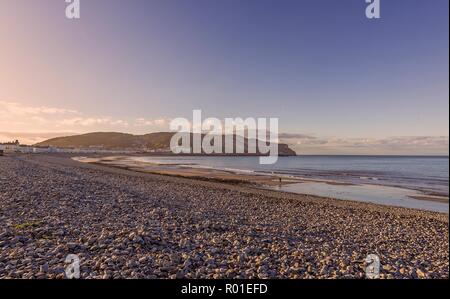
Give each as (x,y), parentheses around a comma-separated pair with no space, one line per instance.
(239,170)
(193,165)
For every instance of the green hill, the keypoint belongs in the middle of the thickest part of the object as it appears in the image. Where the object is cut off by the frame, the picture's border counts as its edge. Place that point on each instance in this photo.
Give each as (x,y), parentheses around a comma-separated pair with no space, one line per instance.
(122,141)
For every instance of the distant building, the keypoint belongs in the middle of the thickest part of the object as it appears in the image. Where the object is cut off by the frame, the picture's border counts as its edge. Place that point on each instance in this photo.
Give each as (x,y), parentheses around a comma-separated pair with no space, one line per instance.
(25,149)
(44,149)
(16,147)
(10,147)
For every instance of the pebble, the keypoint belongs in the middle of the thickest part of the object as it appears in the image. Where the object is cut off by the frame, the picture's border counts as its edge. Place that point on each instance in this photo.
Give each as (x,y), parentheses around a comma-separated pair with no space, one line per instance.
(123,226)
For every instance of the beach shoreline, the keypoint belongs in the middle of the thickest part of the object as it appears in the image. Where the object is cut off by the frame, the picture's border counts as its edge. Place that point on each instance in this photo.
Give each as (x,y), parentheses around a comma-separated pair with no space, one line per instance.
(128,224)
(410,198)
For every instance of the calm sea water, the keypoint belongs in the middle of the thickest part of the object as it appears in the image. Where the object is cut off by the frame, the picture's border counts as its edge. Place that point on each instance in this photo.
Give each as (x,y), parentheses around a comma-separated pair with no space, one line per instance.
(426,174)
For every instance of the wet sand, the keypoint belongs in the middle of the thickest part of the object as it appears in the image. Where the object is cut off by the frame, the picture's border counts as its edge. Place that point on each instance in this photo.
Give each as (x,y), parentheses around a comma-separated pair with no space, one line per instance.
(317,187)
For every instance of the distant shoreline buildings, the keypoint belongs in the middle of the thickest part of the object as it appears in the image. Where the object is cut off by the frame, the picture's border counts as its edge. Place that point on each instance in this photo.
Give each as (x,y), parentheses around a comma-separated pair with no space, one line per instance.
(16,147)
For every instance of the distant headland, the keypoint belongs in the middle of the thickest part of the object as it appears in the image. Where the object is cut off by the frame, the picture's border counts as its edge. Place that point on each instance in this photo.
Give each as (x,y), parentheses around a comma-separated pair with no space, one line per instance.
(150,143)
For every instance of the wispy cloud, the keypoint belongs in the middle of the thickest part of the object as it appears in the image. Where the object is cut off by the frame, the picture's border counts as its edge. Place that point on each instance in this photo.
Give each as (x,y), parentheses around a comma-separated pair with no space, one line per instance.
(92,121)
(31,138)
(32,124)
(18,117)
(17,109)
(143,122)
(296,136)
(402,145)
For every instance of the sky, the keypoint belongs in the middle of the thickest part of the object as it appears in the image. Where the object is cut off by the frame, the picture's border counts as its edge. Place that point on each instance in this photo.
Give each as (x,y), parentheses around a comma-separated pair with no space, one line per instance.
(339,83)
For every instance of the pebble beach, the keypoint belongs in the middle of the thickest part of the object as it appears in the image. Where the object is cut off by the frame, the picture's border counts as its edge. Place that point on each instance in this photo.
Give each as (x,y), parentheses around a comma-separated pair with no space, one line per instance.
(126,224)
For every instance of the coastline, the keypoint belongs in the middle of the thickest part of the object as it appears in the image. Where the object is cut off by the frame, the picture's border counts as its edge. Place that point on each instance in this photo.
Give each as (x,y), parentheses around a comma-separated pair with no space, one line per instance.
(131,224)
(254,184)
(400,196)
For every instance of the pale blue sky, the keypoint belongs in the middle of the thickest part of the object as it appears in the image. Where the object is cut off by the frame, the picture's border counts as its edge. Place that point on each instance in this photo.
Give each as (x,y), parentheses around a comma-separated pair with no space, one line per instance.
(322,67)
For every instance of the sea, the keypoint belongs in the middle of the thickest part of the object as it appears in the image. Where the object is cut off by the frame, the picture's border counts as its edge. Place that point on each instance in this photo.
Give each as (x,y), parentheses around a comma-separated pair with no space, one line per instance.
(389,180)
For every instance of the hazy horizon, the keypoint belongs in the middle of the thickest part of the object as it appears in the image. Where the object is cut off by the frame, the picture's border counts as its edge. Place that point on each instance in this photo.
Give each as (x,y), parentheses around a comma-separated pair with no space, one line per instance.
(34,138)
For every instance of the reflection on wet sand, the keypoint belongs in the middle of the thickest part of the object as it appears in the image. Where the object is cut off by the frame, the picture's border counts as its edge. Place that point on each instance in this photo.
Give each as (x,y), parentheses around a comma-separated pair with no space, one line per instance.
(385,195)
